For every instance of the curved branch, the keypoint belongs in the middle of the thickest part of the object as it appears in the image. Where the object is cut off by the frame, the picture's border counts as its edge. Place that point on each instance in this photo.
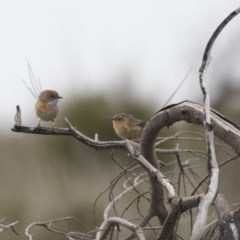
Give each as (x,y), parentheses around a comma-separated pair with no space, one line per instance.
(190,112)
(210,43)
(11,226)
(212,161)
(112,221)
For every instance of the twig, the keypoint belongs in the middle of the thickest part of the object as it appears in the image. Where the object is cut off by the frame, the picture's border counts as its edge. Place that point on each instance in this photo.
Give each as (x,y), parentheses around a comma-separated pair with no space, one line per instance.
(112,221)
(178,87)
(4,227)
(49,226)
(112,184)
(106,225)
(117,198)
(157,175)
(205,177)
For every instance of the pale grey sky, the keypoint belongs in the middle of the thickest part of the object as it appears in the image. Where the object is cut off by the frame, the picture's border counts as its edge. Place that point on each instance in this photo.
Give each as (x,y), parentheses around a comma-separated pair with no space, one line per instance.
(85,45)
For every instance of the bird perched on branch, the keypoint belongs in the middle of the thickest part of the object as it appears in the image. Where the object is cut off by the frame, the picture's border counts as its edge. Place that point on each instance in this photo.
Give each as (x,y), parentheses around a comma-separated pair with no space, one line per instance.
(128,127)
(46,106)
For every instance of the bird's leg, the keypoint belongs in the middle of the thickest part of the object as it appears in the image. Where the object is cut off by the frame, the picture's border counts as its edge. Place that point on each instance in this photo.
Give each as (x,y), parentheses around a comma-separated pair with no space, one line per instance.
(52,129)
(38,126)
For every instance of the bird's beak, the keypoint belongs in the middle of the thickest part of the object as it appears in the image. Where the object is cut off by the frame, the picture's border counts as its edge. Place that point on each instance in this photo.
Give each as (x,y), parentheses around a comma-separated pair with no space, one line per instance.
(59,97)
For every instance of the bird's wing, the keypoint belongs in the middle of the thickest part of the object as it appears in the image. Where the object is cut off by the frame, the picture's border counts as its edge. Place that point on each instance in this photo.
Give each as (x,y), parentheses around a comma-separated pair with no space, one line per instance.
(139,122)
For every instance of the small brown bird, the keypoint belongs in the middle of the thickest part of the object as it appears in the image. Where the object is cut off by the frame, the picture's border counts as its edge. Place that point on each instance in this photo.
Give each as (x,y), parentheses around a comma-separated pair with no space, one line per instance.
(128,127)
(46,106)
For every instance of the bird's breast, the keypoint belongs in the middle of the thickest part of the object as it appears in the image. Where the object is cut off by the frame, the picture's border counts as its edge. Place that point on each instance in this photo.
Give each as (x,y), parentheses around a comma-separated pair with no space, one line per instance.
(45,111)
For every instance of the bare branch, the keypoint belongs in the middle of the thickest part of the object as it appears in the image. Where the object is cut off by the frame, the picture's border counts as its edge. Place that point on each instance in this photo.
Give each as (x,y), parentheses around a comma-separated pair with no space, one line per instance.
(210,43)
(49,225)
(205,177)
(178,207)
(4,227)
(71,131)
(156,174)
(121,195)
(178,87)
(228,227)
(187,111)
(201,219)
(112,221)
(190,112)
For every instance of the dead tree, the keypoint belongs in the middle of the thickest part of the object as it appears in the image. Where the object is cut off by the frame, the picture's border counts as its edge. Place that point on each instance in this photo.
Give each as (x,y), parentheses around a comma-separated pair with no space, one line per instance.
(164,201)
